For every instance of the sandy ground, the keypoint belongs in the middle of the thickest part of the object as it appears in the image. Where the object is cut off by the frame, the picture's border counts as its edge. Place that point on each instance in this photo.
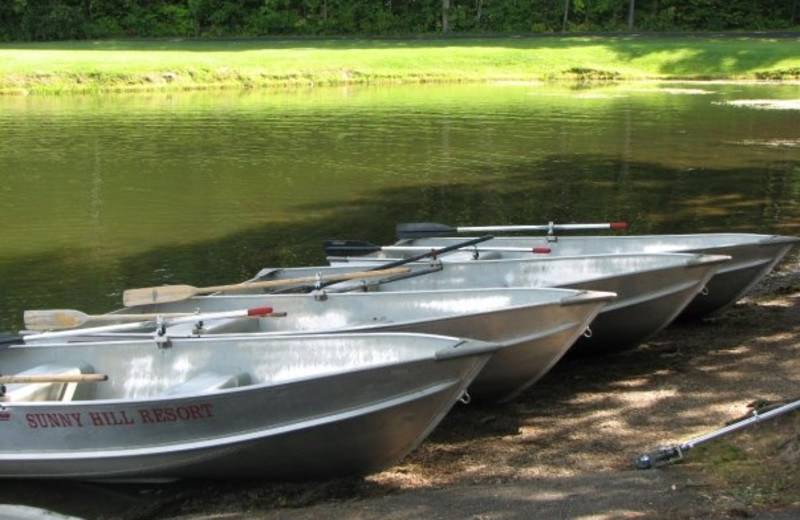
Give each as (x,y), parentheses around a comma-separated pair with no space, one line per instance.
(564,449)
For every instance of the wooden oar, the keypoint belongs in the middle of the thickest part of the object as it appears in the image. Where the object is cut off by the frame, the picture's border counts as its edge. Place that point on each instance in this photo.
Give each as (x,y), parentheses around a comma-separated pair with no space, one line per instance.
(172,293)
(360,248)
(432,229)
(52,378)
(122,327)
(53,319)
(432,253)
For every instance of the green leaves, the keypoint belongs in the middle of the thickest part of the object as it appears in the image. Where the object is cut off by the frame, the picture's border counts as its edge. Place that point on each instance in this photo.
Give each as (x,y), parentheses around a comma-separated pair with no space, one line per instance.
(80,19)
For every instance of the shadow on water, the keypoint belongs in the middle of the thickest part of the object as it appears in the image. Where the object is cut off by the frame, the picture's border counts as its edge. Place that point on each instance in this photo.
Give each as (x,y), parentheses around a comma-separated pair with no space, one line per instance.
(651,198)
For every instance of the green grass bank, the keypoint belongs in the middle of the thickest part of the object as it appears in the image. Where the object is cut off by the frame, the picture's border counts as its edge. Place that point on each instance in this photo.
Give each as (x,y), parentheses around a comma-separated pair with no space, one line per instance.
(118,65)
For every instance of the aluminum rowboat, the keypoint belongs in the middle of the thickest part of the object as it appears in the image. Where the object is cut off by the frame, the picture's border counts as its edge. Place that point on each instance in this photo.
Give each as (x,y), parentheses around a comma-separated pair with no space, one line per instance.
(652,289)
(752,256)
(278,408)
(533,327)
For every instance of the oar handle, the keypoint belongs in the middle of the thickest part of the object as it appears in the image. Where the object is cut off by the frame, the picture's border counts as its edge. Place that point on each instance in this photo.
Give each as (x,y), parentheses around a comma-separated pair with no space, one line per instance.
(52,378)
(543,227)
(432,229)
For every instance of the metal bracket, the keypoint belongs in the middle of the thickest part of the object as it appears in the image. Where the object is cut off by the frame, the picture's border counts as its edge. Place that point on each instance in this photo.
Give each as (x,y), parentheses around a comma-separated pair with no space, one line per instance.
(160,335)
(197,329)
(551,232)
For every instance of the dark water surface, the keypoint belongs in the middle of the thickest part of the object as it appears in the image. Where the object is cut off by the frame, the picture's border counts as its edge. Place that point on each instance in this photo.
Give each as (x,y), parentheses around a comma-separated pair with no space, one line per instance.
(104,193)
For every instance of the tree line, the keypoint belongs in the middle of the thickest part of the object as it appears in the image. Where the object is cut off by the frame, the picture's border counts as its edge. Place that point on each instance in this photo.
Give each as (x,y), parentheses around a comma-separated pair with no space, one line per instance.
(41,20)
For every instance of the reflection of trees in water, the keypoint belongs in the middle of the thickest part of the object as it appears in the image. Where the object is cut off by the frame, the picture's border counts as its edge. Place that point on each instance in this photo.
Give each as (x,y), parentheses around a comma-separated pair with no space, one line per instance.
(269,185)
(571,188)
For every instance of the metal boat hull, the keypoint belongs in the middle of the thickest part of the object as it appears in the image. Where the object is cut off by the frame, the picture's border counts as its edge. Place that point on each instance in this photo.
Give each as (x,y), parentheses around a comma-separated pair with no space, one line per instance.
(652,289)
(752,256)
(308,407)
(533,327)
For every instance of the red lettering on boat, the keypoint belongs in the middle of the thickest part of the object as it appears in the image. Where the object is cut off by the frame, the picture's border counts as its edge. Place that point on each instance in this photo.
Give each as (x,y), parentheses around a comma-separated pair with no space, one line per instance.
(190,412)
(145,415)
(53,420)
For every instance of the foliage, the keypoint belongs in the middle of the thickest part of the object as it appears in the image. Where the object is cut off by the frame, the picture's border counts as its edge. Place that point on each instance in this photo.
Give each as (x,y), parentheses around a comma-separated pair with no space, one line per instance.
(30,20)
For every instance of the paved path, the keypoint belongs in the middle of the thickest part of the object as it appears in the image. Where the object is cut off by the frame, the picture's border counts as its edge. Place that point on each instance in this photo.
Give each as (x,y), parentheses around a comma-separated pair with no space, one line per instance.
(640,495)
(604,496)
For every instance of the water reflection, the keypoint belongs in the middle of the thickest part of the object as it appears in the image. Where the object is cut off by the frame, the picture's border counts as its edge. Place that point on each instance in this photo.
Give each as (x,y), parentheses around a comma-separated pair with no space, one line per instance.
(107,193)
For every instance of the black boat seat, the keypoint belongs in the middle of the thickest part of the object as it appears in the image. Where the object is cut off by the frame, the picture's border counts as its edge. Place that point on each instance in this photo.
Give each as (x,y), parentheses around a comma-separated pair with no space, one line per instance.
(206,382)
(49,391)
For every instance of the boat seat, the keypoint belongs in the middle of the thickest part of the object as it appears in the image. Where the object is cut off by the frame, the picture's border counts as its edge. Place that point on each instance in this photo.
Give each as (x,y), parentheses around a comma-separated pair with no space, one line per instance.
(50,391)
(467,255)
(206,382)
(489,255)
(227,326)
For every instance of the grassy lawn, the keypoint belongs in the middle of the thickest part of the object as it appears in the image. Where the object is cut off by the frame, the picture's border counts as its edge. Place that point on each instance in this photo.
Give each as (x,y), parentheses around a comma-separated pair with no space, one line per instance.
(184,64)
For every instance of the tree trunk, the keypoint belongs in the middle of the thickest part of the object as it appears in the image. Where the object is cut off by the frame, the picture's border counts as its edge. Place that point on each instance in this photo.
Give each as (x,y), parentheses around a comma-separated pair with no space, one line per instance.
(631,13)
(586,14)
(566,16)
(445,15)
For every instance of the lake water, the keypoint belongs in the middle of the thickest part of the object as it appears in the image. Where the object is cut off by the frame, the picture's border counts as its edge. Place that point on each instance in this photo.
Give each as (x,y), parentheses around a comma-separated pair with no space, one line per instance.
(108,192)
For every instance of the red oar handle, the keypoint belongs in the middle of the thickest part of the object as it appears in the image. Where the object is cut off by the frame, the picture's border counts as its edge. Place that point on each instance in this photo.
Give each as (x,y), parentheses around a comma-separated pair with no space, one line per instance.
(259,311)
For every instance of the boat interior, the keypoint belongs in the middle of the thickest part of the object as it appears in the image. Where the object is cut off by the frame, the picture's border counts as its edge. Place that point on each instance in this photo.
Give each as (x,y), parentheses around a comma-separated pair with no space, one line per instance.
(128,368)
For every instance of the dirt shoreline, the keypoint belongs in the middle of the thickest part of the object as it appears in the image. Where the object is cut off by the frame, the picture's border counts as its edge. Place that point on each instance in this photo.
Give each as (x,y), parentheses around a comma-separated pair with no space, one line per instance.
(564,449)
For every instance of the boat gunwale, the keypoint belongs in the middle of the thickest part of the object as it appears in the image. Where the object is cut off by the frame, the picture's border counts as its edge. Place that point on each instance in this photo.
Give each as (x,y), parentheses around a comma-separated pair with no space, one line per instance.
(738,241)
(476,348)
(675,256)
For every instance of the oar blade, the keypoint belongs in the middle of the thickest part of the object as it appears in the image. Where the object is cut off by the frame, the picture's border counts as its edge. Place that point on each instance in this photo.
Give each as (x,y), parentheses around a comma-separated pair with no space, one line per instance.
(349,248)
(423,229)
(53,319)
(162,294)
